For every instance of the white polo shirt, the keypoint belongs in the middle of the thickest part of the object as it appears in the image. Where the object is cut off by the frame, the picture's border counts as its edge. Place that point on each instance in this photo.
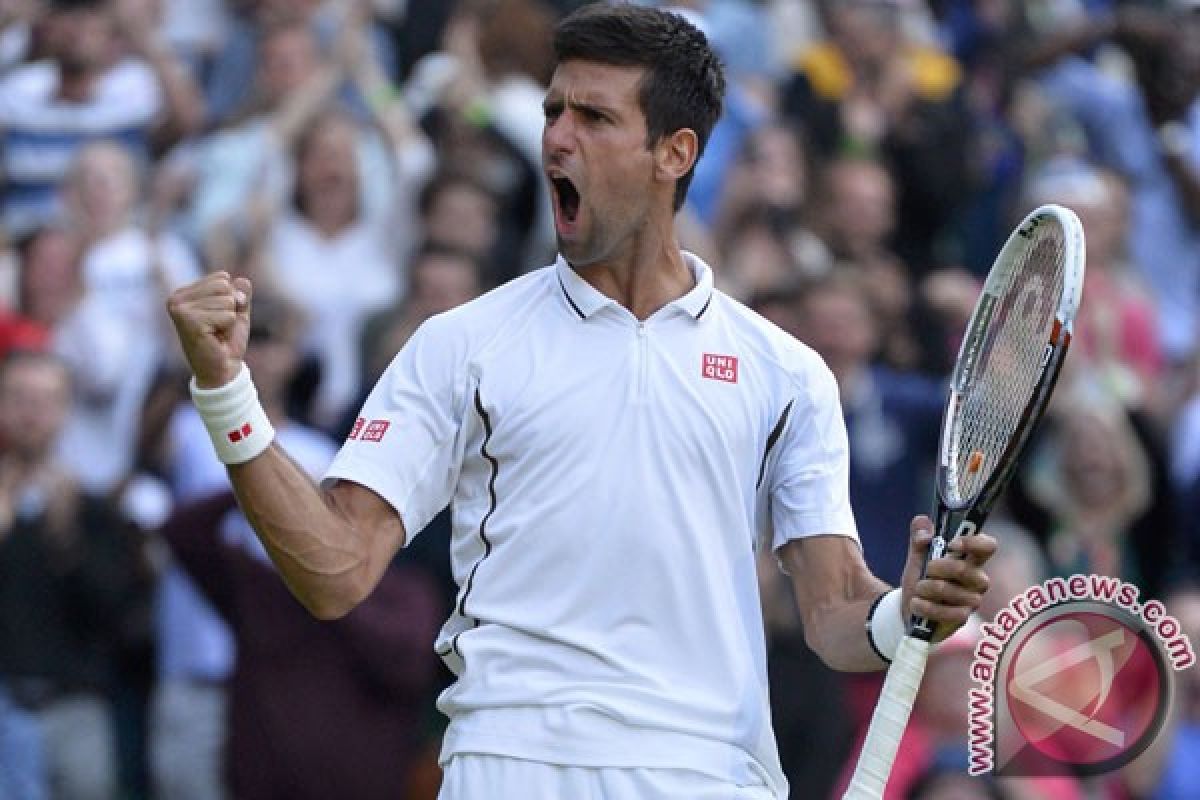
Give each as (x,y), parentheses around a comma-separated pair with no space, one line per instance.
(610,481)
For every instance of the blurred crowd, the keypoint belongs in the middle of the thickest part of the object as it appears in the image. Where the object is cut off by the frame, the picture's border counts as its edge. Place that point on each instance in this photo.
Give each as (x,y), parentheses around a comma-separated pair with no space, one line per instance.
(370,163)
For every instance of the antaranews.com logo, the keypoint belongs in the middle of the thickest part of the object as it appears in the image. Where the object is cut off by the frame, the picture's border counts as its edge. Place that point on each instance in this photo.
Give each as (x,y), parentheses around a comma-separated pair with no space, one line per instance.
(1073,678)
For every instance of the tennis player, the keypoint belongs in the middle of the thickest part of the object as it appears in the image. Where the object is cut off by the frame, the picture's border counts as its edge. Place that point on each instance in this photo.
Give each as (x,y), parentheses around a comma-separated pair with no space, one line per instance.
(616,439)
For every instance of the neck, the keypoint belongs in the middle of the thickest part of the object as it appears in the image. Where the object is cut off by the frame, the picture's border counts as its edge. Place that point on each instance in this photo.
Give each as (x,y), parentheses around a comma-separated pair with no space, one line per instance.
(330,221)
(649,273)
(76,86)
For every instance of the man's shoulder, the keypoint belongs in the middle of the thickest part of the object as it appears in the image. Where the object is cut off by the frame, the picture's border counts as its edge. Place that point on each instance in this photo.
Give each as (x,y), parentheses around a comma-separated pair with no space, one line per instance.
(29,83)
(768,341)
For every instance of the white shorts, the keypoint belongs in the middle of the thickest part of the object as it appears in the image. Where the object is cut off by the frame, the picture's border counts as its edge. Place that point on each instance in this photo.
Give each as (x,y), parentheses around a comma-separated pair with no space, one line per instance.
(476,776)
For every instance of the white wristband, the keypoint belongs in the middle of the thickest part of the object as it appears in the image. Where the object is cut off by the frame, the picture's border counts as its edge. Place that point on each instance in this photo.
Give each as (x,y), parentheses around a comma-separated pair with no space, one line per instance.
(236,421)
(886,627)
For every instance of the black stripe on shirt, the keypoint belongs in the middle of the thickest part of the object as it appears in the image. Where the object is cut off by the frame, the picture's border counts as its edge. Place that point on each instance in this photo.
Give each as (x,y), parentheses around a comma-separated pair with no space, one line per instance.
(567,295)
(487,543)
(772,438)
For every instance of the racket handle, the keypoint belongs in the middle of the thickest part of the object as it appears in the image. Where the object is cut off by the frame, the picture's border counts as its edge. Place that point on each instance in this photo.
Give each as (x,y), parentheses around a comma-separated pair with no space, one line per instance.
(889,721)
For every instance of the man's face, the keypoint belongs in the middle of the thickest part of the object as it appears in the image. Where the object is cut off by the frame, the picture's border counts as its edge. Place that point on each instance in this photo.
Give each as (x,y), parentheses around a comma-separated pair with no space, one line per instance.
(34,399)
(441,281)
(861,205)
(289,58)
(594,154)
(329,163)
(81,40)
(837,324)
(102,187)
(463,216)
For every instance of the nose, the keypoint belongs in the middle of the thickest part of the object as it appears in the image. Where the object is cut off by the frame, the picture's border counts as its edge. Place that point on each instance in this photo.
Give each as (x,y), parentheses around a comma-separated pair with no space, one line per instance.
(558,135)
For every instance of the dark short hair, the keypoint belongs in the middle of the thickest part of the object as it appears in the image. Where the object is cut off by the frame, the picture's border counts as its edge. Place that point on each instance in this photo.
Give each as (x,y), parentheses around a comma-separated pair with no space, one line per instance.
(77,5)
(684,83)
(449,179)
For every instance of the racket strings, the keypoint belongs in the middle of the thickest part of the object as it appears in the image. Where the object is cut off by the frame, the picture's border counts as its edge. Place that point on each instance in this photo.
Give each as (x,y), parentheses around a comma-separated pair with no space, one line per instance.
(1007,364)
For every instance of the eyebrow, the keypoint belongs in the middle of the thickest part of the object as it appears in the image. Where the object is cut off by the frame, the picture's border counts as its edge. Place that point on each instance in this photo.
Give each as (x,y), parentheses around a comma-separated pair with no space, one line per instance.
(558,102)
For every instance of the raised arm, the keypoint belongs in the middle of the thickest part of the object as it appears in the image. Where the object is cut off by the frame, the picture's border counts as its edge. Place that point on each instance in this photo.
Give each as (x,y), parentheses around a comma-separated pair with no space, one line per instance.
(330,546)
(184,106)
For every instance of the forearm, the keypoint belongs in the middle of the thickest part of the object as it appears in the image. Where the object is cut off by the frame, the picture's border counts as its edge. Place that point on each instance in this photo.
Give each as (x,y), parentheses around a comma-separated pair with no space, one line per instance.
(834,591)
(302,105)
(330,546)
(837,631)
(1046,50)
(324,559)
(184,106)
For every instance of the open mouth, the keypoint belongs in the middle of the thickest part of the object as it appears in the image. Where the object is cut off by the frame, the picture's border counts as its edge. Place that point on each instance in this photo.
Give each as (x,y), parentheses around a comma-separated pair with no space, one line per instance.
(566,198)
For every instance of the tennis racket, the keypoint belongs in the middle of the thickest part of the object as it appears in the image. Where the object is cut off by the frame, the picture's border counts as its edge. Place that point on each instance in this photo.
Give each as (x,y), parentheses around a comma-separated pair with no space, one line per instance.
(1007,365)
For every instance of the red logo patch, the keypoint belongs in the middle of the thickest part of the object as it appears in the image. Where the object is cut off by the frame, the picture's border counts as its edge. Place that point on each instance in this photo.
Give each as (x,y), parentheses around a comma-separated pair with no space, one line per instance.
(238,434)
(357,429)
(375,430)
(719,368)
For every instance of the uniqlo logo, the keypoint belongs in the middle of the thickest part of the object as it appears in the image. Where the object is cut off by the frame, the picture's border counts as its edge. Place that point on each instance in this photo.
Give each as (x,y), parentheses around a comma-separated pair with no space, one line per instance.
(357,429)
(237,434)
(719,368)
(375,430)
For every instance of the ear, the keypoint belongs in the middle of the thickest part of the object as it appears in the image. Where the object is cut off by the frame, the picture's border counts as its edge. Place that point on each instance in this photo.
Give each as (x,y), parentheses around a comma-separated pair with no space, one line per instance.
(675,154)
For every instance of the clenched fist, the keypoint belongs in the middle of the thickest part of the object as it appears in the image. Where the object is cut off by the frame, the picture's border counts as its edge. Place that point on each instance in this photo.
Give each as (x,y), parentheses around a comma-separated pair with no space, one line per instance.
(212,319)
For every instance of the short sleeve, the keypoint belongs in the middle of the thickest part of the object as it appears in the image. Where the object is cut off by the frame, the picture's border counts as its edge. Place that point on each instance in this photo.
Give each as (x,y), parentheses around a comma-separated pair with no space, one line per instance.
(406,442)
(809,481)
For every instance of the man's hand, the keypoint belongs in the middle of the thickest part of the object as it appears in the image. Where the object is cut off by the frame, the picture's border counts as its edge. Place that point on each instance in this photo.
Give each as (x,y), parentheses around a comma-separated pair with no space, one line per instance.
(953,586)
(212,319)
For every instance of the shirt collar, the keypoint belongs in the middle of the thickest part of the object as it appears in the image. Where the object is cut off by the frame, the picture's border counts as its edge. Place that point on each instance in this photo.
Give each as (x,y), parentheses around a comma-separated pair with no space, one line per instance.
(585,299)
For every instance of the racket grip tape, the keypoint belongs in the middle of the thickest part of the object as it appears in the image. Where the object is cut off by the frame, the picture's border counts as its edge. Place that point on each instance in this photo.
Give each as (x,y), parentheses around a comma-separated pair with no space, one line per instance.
(889,721)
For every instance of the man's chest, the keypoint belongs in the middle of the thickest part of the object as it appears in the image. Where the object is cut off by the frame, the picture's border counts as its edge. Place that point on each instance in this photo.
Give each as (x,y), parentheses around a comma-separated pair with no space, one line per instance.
(627,403)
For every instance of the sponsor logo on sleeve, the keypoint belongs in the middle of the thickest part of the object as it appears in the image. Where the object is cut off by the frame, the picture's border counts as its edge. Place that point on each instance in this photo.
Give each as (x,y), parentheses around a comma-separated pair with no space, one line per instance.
(375,430)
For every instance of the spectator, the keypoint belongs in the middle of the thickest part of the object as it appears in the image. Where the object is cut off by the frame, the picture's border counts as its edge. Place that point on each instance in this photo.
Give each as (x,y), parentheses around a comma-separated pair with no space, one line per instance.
(871,90)
(243,51)
(1149,133)
(492,73)
(113,338)
(88,89)
(1117,329)
(856,216)
(72,583)
(295,81)
(439,279)
(770,182)
(48,283)
(460,212)
(325,227)
(1093,484)
(756,256)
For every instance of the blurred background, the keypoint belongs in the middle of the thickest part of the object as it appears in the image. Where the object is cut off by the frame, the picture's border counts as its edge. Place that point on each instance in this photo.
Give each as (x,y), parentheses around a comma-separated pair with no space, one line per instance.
(369,163)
